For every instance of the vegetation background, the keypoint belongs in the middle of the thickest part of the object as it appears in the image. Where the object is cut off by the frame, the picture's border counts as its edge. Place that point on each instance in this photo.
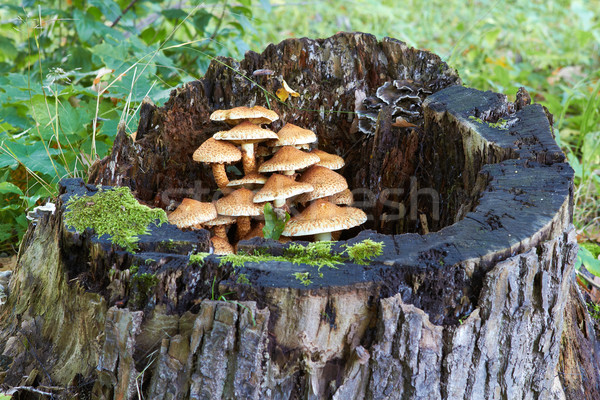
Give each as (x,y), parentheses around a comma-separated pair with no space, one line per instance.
(71,70)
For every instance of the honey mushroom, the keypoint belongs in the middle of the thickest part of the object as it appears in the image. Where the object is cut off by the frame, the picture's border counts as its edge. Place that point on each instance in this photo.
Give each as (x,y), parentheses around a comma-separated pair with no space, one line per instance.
(240,204)
(191,213)
(292,135)
(217,154)
(288,160)
(278,188)
(324,181)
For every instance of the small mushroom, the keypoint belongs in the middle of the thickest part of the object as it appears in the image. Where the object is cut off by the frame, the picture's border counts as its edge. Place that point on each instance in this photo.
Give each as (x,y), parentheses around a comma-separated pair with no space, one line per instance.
(330,161)
(344,197)
(246,134)
(249,181)
(217,153)
(325,182)
(278,188)
(292,135)
(288,160)
(221,246)
(219,225)
(321,218)
(239,204)
(191,213)
(256,115)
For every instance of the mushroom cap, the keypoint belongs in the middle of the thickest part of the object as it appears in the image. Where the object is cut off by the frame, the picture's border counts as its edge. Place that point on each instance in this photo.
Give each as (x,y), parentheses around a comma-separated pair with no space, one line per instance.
(238,204)
(344,197)
(256,231)
(256,115)
(221,246)
(246,132)
(217,152)
(325,182)
(191,212)
(220,220)
(279,187)
(330,161)
(251,178)
(322,216)
(288,158)
(291,135)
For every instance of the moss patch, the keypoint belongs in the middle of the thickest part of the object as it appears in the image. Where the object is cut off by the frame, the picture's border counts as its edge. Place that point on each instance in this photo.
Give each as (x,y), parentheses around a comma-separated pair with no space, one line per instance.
(114,212)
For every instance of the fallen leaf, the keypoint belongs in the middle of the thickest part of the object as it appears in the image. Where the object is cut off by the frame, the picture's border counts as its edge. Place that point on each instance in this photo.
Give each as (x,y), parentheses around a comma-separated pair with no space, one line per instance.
(285,91)
(402,123)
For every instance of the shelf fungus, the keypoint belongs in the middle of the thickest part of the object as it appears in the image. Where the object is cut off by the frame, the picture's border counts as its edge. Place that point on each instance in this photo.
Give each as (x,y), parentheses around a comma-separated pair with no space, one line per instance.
(322,218)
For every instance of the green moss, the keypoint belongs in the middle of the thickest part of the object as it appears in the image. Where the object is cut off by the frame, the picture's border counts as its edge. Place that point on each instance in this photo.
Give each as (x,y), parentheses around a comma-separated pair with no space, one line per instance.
(114,212)
(142,286)
(303,277)
(500,124)
(238,260)
(243,279)
(198,258)
(594,310)
(363,252)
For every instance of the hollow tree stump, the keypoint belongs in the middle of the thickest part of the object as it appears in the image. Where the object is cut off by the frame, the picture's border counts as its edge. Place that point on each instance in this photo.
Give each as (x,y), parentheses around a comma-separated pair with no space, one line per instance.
(469,299)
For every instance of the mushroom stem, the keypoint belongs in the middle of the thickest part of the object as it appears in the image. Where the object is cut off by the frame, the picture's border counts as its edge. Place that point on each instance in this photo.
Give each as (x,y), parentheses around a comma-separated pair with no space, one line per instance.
(278,203)
(220,175)
(289,173)
(220,231)
(248,159)
(243,226)
(323,237)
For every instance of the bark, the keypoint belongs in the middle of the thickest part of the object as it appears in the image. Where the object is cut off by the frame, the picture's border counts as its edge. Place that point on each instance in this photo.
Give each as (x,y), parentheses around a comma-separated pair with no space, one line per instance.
(482,306)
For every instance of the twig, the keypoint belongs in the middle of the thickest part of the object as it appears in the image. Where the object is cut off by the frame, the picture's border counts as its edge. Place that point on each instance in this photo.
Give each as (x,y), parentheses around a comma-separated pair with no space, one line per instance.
(116,21)
(28,389)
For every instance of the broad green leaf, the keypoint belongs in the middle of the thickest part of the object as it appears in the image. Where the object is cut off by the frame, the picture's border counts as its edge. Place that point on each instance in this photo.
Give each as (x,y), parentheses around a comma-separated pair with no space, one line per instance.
(7,187)
(587,259)
(174,13)
(273,225)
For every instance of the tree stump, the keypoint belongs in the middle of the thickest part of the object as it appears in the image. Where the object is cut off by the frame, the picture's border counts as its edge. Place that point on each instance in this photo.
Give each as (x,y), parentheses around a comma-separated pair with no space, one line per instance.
(469,299)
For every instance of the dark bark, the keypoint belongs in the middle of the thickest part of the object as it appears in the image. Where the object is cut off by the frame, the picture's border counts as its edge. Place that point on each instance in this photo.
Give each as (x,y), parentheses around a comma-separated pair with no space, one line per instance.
(474,309)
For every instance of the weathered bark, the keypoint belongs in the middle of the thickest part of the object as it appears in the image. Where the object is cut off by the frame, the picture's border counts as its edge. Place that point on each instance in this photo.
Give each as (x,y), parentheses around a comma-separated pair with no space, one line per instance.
(474,309)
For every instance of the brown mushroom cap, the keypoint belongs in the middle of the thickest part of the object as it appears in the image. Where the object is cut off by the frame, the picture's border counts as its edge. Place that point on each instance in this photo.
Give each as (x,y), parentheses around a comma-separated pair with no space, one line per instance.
(220,220)
(252,178)
(288,158)
(191,212)
(217,152)
(344,197)
(257,231)
(291,135)
(325,182)
(255,115)
(246,132)
(280,187)
(322,217)
(239,203)
(221,246)
(330,161)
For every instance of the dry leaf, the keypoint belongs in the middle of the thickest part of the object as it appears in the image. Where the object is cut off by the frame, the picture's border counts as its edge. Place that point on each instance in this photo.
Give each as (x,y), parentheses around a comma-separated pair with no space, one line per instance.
(98,85)
(285,91)
(402,123)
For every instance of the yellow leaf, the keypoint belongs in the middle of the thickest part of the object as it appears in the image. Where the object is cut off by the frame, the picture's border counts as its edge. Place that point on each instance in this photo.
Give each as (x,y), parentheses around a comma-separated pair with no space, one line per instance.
(286,91)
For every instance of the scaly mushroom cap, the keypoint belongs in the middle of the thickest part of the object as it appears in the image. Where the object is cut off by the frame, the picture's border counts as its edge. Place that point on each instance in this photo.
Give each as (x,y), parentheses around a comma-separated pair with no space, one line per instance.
(330,161)
(344,197)
(288,158)
(217,152)
(321,217)
(238,204)
(251,179)
(246,132)
(325,182)
(280,187)
(256,115)
(221,246)
(191,212)
(291,135)
(220,220)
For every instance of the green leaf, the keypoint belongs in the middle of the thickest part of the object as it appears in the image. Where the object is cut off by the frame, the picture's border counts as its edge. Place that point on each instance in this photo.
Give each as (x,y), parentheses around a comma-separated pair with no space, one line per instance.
(174,13)
(273,225)
(587,259)
(7,187)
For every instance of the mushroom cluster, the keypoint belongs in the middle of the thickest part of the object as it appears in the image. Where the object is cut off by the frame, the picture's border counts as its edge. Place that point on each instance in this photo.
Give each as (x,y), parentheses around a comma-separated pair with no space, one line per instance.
(285,175)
